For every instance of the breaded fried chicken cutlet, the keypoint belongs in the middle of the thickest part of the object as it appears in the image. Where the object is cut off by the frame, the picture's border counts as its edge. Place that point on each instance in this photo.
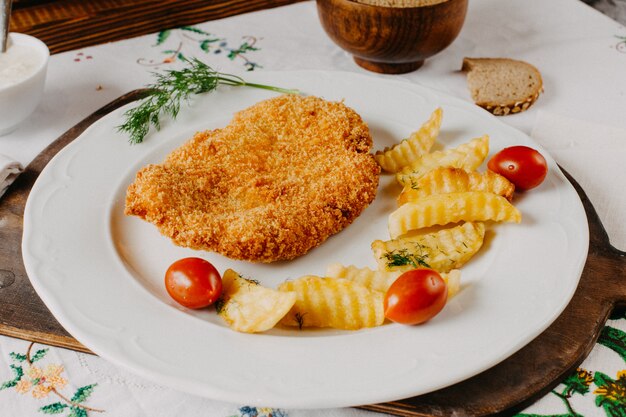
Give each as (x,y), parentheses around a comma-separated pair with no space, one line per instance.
(282,177)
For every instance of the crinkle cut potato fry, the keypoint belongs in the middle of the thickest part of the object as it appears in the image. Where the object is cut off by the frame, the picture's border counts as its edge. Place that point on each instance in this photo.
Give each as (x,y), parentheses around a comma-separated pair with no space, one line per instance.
(468,156)
(453,280)
(443,250)
(382,280)
(335,303)
(442,209)
(454,180)
(249,307)
(392,159)
(377,280)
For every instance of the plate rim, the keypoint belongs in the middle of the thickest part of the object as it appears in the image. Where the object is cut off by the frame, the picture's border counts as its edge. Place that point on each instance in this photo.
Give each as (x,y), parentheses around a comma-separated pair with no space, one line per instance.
(67,322)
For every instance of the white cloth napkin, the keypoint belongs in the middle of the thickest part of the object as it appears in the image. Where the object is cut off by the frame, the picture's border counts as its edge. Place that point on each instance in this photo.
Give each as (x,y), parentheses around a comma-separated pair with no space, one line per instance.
(9,170)
(595,155)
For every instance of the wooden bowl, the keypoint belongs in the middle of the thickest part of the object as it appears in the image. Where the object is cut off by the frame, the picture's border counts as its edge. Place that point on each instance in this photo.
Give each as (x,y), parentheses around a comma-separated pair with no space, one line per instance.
(391,40)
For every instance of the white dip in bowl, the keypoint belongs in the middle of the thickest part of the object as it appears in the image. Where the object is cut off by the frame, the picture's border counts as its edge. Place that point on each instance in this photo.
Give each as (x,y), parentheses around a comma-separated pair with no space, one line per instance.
(22,79)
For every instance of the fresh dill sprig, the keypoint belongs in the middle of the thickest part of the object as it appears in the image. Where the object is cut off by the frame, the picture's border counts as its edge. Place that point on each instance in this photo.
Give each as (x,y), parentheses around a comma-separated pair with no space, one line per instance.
(164,97)
(299,317)
(402,257)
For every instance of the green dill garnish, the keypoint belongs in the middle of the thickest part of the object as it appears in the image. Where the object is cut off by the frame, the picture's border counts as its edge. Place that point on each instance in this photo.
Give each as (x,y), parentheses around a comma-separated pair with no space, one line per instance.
(299,317)
(250,280)
(219,304)
(402,257)
(171,87)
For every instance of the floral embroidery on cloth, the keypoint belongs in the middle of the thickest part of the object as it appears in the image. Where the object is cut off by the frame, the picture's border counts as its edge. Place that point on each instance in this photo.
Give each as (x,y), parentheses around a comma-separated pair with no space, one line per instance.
(610,393)
(188,40)
(42,381)
(260,412)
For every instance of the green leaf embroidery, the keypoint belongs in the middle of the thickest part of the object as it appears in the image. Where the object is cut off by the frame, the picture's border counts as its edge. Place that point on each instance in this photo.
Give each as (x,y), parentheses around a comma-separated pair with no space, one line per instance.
(601,379)
(205,45)
(54,408)
(195,30)
(611,393)
(614,410)
(17,357)
(546,415)
(162,36)
(245,47)
(83,393)
(39,355)
(77,412)
(8,384)
(18,372)
(614,339)
(578,382)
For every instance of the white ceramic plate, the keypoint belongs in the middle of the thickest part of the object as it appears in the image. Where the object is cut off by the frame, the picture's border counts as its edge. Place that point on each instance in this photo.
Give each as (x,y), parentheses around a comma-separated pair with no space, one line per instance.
(100,273)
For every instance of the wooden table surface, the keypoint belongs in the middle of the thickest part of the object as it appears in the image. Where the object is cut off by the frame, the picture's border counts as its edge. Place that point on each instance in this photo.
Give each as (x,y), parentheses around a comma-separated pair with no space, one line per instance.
(71,24)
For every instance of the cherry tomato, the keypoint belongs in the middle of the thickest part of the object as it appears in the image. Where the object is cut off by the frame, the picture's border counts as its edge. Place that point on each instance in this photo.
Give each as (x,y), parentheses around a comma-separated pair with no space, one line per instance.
(193,282)
(415,297)
(523,166)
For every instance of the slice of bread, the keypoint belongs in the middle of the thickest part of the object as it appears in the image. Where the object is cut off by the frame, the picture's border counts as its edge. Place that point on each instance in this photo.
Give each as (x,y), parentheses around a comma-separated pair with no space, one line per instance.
(502,85)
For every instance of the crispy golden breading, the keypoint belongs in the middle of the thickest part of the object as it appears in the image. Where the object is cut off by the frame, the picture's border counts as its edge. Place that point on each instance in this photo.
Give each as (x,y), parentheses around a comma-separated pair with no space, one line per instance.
(281,178)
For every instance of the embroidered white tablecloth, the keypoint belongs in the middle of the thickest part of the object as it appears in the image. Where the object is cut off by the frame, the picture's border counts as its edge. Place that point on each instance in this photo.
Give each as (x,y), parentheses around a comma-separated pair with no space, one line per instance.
(579,119)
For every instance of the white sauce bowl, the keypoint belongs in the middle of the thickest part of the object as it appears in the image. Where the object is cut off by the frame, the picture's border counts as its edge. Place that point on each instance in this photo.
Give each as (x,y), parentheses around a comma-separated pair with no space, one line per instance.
(22,78)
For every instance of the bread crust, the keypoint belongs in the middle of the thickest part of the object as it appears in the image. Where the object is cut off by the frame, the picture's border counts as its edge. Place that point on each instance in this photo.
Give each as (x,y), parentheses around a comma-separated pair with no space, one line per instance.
(502,108)
(281,178)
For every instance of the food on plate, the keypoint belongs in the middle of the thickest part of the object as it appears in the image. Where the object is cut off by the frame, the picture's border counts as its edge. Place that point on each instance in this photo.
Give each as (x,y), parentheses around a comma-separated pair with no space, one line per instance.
(502,85)
(453,281)
(442,209)
(174,87)
(335,303)
(392,159)
(523,166)
(377,280)
(381,280)
(246,306)
(415,297)
(437,228)
(454,180)
(442,250)
(193,282)
(283,176)
(468,156)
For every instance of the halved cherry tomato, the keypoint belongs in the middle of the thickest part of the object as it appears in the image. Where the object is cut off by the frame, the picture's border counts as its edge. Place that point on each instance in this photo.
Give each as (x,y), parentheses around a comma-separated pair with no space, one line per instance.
(193,282)
(523,166)
(415,297)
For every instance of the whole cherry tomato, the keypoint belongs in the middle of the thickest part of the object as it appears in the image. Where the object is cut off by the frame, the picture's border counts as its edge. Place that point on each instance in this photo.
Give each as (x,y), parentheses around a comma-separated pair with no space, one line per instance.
(523,166)
(193,282)
(415,297)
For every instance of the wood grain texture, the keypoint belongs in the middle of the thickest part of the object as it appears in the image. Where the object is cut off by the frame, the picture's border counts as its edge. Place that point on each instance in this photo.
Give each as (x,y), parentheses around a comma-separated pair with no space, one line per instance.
(72,24)
(391,40)
(22,313)
(502,390)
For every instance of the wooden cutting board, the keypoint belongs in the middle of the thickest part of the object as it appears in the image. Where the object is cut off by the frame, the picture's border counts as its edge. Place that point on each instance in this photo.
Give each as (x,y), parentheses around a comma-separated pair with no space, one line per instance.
(504,389)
